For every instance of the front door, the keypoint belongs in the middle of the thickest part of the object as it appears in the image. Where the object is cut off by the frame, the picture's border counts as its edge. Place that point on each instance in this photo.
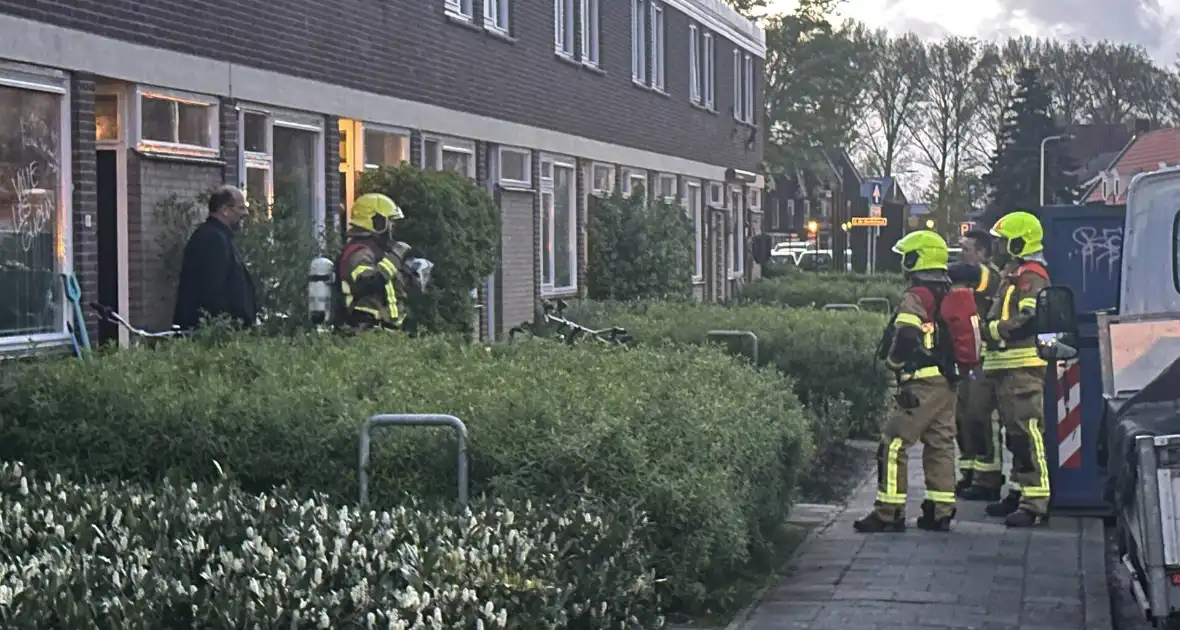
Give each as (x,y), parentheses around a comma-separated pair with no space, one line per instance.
(107,168)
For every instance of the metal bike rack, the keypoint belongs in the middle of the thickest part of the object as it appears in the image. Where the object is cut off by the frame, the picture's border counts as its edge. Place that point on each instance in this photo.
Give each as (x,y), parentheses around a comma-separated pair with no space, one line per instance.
(864,302)
(743,334)
(841,307)
(413,420)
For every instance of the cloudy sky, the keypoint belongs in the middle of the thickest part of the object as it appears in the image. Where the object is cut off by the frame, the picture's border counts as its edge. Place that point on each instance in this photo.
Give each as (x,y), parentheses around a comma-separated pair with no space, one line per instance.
(1154,24)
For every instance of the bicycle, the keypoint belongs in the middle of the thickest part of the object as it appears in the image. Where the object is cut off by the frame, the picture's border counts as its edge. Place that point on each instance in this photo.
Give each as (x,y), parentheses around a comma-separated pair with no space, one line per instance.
(140,335)
(569,331)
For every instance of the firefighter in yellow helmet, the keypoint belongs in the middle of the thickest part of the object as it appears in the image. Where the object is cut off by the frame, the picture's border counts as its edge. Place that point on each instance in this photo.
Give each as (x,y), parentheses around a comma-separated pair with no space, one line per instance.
(925,407)
(367,268)
(1016,372)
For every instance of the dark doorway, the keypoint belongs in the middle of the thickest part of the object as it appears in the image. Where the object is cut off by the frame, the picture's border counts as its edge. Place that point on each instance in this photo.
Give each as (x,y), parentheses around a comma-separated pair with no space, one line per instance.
(108,239)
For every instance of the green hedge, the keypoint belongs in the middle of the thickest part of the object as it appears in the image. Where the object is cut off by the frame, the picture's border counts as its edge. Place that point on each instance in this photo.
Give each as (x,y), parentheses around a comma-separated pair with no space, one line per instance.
(709,448)
(829,355)
(215,558)
(637,248)
(804,288)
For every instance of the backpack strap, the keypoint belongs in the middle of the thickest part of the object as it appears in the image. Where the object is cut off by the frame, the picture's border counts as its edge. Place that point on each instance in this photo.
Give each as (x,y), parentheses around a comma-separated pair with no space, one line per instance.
(345,254)
(1033,266)
(929,300)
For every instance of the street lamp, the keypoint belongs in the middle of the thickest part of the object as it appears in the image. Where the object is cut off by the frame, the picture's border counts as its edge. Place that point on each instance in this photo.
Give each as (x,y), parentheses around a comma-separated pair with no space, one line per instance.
(929,224)
(1066,136)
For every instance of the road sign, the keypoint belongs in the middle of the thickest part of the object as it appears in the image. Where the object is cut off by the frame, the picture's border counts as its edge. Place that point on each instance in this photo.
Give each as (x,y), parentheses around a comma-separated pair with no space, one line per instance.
(869,222)
(965,227)
(875,210)
(876,193)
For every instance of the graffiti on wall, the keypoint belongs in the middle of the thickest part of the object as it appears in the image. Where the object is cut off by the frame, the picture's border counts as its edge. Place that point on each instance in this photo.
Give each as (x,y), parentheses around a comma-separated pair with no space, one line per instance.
(1100,250)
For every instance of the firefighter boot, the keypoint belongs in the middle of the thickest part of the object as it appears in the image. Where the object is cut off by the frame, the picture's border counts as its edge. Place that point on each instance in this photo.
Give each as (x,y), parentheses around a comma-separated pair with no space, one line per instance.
(928,522)
(1004,507)
(874,524)
(1024,518)
(981,493)
(965,481)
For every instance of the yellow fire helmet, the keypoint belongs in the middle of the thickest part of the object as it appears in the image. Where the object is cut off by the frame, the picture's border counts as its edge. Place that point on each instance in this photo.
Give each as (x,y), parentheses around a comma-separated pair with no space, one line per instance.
(374,212)
(922,251)
(1021,232)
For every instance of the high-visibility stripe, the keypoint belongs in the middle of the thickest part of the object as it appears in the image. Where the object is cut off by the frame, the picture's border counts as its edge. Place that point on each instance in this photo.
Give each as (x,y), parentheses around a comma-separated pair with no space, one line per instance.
(1041,490)
(1028,303)
(921,373)
(995,465)
(984,274)
(939,496)
(890,494)
(993,329)
(908,319)
(1013,358)
(966,464)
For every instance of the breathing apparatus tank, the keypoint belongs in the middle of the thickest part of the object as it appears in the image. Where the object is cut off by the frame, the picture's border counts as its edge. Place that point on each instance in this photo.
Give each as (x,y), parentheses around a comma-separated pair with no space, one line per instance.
(320,275)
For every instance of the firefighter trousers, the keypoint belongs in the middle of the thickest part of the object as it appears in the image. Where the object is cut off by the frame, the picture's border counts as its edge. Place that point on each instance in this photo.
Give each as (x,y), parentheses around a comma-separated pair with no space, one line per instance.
(1020,395)
(925,411)
(979,432)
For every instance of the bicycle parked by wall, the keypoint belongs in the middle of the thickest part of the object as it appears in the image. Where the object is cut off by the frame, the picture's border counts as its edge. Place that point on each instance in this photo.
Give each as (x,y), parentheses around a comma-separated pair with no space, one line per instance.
(139,336)
(568,331)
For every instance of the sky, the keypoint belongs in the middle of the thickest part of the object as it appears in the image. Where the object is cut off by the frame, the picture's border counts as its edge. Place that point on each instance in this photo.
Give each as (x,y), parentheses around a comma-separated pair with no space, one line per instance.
(1154,24)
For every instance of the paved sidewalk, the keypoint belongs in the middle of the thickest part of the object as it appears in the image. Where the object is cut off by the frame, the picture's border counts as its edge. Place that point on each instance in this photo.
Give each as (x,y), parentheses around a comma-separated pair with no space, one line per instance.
(980,576)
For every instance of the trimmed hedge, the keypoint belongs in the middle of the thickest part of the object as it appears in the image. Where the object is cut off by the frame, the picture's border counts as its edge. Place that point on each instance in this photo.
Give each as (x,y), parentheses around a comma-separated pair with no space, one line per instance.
(828,355)
(709,448)
(637,248)
(176,557)
(806,288)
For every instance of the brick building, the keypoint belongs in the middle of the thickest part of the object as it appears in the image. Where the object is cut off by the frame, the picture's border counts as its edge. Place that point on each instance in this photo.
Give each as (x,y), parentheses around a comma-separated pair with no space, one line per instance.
(111,106)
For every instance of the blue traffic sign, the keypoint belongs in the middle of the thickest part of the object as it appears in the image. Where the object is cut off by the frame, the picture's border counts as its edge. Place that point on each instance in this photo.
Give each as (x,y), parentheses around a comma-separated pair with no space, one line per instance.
(876,193)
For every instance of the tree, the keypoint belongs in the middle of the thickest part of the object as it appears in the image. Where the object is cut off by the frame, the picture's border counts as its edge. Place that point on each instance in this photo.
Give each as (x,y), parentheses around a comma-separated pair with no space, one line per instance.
(896,79)
(1116,81)
(814,86)
(749,8)
(1014,179)
(1066,67)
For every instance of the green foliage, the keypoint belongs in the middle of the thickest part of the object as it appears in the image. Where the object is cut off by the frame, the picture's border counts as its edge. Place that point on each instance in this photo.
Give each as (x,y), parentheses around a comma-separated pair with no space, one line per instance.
(637,249)
(277,242)
(216,558)
(808,288)
(710,449)
(453,223)
(828,355)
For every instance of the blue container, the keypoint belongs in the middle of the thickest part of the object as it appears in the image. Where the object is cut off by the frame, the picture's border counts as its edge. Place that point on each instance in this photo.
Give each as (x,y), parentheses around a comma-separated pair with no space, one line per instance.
(1083,246)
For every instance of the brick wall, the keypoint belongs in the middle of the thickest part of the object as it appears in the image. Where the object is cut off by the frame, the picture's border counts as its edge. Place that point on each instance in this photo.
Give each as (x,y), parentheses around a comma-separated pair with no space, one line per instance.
(85,195)
(431,59)
(332,209)
(230,143)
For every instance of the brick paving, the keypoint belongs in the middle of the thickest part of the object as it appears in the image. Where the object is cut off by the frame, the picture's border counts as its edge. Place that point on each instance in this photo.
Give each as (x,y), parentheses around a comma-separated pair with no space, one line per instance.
(980,576)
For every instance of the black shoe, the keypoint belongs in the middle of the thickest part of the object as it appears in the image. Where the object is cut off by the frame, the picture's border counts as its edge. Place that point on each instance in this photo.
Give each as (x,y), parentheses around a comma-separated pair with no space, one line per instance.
(927,521)
(965,481)
(979,493)
(1023,518)
(1003,508)
(873,524)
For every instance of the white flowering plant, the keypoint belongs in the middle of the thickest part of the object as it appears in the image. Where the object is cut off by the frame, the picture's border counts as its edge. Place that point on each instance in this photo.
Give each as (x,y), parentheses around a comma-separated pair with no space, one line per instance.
(212,557)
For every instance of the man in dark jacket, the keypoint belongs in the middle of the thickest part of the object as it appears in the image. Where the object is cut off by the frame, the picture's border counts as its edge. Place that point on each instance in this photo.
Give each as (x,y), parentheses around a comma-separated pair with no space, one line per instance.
(213,277)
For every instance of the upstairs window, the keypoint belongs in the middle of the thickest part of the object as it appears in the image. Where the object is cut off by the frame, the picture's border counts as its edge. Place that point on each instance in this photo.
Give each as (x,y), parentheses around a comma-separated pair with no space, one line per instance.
(460,8)
(638,39)
(182,124)
(701,67)
(743,87)
(576,17)
(496,14)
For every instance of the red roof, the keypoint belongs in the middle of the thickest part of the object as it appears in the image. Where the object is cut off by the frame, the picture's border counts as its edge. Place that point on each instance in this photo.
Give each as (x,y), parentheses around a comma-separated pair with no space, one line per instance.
(1143,154)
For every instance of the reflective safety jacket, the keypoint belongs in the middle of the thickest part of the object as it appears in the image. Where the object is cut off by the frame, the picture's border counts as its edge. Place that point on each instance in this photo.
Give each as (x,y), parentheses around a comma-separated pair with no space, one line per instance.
(368,284)
(911,350)
(985,291)
(1008,345)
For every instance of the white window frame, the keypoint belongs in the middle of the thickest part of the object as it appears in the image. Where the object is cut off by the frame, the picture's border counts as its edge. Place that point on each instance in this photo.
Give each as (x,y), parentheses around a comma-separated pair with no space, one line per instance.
(656,43)
(630,177)
(664,177)
(527,182)
(453,145)
(638,42)
(590,32)
(461,9)
(386,129)
(737,85)
(259,160)
(299,121)
(693,190)
(754,199)
(496,15)
(695,78)
(737,247)
(548,188)
(36,79)
(594,189)
(563,27)
(178,148)
(716,195)
(748,88)
(710,72)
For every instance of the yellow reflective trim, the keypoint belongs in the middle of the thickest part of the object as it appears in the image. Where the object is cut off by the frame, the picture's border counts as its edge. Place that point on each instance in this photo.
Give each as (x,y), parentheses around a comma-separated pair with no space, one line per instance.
(1012,358)
(907,319)
(984,274)
(891,462)
(966,464)
(1041,490)
(387,265)
(1006,304)
(1028,303)
(359,269)
(993,330)
(891,499)
(938,496)
(996,465)
(926,372)
(1015,486)
(365,309)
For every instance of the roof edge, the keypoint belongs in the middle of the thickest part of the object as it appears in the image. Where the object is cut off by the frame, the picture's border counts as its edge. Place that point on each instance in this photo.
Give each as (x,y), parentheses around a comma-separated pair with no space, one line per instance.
(1113,164)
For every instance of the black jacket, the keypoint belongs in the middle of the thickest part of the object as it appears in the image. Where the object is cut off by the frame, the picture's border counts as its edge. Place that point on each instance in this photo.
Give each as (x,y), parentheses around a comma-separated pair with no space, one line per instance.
(214,279)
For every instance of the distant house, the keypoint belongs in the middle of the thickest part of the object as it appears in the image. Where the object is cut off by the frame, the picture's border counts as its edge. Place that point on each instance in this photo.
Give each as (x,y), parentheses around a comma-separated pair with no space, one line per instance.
(1093,147)
(1144,153)
(826,196)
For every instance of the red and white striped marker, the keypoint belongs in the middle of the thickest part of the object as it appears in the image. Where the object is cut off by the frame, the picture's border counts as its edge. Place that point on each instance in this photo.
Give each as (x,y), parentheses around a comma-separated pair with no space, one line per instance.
(1069,414)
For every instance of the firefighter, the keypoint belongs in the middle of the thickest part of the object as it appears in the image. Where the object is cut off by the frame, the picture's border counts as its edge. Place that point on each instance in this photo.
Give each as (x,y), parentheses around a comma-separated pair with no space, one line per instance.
(979,433)
(368,271)
(925,401)
(1015,372)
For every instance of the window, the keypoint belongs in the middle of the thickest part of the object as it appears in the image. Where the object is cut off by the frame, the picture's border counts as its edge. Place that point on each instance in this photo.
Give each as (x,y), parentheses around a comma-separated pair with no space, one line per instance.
(559,224)
(743,87)
(495,15)
(460,8)
(516,167)
(709,72)
(256,155)
(603,179)
(634,182)
(737,232)
(716,194)
(667,188)
(563,27)
(106,117)
(692,206)
(754,198)
(656,51)
(172,123)
(385,147)
(589,32)
(281,158)
(701,69)
(638,39)
(34,209)
(297,168)
(457,156)
(694,63)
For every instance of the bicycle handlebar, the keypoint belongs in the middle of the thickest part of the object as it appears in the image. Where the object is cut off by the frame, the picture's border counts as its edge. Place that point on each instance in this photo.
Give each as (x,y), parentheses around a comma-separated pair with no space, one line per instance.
(111,315)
